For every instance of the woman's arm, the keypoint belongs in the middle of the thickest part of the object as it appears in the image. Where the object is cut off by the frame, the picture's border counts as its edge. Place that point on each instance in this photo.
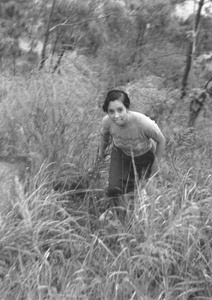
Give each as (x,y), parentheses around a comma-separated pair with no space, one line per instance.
(103,146)
(105,137)
(160,148)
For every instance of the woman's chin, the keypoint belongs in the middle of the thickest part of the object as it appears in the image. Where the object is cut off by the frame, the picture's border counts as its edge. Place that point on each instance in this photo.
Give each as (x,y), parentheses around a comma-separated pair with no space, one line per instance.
(120,122)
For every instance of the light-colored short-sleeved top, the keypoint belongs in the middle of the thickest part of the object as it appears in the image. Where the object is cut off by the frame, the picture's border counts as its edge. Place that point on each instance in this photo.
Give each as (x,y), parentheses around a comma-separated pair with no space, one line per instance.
(134,138)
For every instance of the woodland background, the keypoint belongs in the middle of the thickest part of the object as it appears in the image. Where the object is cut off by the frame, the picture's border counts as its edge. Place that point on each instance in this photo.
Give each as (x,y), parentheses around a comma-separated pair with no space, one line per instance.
(57,60)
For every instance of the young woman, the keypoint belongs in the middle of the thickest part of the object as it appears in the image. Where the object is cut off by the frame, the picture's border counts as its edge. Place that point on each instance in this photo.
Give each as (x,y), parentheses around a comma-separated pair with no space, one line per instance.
(133,152)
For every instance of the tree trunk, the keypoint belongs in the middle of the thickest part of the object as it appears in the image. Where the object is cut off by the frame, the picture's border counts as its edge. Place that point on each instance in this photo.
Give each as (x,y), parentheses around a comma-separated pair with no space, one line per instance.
(141,30)
(56,42)
(54,47)
(196,106)
(198,102)
(187,69)
(46,36)
(191,49)
(59,60)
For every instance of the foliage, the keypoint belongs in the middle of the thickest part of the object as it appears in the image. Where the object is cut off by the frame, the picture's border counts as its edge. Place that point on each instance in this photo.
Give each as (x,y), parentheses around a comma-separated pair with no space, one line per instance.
(204,41)
(74,25)
(19,21)
(48,121)
(103,29)
(52,243)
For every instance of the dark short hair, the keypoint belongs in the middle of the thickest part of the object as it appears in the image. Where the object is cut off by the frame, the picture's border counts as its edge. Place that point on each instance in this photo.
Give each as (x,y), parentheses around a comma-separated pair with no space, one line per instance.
(116,95)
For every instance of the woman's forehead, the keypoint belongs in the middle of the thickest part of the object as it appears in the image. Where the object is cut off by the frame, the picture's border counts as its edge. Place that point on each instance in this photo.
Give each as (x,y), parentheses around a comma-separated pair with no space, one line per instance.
(115,104)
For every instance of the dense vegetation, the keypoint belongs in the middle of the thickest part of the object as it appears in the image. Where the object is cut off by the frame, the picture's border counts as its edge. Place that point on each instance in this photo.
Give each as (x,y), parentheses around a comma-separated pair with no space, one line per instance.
(52,243)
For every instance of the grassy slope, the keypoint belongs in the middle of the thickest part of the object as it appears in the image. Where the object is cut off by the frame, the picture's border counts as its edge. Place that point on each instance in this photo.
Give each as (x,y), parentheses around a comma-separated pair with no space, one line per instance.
(56,248)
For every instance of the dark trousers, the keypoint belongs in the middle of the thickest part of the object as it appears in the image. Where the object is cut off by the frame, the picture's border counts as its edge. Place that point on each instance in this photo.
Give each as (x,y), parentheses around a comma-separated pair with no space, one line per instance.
(124,169)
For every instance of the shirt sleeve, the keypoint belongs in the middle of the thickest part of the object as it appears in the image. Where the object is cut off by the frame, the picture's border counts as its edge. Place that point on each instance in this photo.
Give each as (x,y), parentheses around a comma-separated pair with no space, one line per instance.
(105,129)
(152,130)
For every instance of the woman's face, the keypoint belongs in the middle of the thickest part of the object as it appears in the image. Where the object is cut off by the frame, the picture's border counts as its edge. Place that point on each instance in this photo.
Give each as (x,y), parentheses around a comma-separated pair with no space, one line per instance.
(117,112)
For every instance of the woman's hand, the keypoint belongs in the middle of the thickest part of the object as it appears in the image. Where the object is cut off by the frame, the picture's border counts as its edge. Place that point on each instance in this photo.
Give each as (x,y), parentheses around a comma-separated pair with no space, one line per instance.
(154,168)
(102,156)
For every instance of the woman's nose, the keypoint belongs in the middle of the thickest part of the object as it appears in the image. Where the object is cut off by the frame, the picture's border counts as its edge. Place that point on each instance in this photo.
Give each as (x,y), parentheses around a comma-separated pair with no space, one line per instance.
(116,114)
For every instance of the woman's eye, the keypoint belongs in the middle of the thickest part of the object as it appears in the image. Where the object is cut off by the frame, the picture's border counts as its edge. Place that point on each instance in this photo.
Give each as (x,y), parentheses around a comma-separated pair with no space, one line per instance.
(110,112)
(120,110)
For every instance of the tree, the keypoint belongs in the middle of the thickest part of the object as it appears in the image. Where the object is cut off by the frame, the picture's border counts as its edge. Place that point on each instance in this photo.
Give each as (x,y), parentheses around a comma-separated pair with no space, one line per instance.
(46,35)
(198,100)
(191,48)
(73,26)
(12,26)
(19,21)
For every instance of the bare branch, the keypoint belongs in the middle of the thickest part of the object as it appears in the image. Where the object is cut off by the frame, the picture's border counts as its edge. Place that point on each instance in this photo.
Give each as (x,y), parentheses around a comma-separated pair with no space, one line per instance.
(58,25)
(78,23)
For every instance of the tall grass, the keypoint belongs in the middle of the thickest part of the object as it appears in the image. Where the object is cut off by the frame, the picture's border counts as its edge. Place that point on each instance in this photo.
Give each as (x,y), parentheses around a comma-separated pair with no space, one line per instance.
(52,243)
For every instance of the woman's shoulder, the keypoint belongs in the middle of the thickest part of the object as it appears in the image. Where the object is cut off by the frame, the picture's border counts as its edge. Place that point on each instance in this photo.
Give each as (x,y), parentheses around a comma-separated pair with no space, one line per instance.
(139,116)
(143,120)
(106,121)
(106,118)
